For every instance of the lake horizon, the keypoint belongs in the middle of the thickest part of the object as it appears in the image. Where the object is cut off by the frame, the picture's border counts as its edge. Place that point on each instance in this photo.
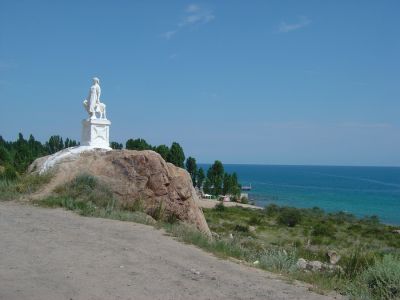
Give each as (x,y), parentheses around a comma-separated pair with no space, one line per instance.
(360,190)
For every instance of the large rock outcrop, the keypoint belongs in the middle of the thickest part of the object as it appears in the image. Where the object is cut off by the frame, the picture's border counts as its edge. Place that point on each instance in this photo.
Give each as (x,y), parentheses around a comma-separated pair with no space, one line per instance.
(131,175)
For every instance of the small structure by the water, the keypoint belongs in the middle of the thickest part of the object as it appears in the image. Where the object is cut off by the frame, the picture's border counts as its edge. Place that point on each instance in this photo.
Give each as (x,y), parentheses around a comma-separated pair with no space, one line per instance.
(246,187)
(225,198)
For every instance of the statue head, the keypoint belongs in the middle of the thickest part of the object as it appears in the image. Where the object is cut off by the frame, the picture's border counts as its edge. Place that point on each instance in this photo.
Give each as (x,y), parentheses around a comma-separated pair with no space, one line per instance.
(96,80)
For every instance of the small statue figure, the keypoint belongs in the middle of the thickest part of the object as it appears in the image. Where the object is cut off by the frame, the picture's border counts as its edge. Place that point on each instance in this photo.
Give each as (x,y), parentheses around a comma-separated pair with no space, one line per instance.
(92,104)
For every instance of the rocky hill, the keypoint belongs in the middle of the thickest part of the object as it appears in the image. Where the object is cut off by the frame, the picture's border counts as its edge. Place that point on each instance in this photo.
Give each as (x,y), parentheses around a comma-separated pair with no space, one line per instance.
(131,175)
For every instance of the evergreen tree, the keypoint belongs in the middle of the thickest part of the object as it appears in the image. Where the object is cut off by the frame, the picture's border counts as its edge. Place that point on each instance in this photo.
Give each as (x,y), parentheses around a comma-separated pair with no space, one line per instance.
(2,141)
(22,156)
(137,144)
(176,155)
(5,157)
(116,146)
(54,144)
(191,167)
(215,176)
(163,150)
(200,178)
(231,185)
(18,155)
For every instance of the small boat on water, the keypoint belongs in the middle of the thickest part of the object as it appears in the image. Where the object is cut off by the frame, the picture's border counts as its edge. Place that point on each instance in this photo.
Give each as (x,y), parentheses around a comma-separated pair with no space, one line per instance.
(246,187)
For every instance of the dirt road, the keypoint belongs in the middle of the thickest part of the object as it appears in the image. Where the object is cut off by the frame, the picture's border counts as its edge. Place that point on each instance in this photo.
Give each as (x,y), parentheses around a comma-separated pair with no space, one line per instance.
(56,254)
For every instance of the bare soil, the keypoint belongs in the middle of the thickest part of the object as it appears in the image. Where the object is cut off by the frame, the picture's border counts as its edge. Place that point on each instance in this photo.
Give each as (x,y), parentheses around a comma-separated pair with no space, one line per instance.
(56,254)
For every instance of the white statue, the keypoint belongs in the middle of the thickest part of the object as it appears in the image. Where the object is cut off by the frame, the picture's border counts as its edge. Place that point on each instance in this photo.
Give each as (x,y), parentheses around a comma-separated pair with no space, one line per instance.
(92,104)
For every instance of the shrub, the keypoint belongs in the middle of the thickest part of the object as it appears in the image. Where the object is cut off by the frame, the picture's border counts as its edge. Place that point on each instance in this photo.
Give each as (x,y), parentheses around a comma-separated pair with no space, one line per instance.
(157,212)
(12,189)
(7,190)
(382,279)
(255,220)
(356,262)
(289,216)
(324,229)
(279,260)
(87,188)
(241,228)
(271,210)
(137,205)
(9,173)
(31,183)
(220,207)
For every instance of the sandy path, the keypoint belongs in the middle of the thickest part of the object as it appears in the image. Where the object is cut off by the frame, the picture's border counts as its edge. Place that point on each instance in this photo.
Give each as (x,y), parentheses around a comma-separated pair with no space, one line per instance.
(56,254)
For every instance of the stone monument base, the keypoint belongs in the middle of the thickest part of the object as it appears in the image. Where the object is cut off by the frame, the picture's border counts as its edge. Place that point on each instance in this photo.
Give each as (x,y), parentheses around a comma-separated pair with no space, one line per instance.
(96,133)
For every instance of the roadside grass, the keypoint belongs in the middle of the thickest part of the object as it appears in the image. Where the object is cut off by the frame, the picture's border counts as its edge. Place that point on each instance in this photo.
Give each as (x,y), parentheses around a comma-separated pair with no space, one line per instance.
(272,239)
(380,280)
(87,196)
(287,234)
(22,185)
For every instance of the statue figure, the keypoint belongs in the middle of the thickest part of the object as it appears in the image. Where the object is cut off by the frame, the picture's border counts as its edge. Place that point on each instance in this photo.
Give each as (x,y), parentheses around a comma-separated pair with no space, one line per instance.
(92,104)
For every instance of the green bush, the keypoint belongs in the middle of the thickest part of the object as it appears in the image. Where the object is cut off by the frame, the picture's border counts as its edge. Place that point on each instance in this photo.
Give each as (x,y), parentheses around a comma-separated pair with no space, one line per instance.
(324,229)
(220,207)
(241,228)
(279,260)
(7,190)
(255,220)
(289,216)
(356,262)
(23,185)
(137,205)
(382,279)
(9,173)
(86,188)
(271,210)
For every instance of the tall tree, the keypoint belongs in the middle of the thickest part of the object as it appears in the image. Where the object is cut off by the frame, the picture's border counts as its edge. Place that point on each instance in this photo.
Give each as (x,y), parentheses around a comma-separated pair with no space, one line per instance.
(5,157)
(215,177)
(163,150)
(116,146)
(137,144)
(191,167)
(54,144)
(200,178)
(176,155)
(231,185)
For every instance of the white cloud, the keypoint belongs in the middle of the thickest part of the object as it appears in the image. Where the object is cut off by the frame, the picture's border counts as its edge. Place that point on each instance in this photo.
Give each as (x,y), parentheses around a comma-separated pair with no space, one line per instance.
(199,16)
(191,8)
(169,34)
(194,15)
(302,22)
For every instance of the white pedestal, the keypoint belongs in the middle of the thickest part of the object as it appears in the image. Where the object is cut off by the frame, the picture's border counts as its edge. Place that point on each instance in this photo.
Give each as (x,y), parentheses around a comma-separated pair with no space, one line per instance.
(96,133)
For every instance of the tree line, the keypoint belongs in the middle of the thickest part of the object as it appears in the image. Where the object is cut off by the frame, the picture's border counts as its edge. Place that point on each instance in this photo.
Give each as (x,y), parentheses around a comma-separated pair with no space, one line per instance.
(16,156)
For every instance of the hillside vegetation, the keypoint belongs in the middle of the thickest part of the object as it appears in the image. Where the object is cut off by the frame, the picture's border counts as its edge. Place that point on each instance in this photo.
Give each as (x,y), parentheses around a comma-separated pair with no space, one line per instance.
(274,238)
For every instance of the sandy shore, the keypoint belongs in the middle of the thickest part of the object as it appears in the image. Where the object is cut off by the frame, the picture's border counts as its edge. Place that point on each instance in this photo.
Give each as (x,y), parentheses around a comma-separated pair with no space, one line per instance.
(56,254)
(209,203)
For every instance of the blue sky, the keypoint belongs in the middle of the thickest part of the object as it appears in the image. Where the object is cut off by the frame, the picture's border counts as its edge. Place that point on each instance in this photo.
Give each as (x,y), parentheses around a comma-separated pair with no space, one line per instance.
(272,82)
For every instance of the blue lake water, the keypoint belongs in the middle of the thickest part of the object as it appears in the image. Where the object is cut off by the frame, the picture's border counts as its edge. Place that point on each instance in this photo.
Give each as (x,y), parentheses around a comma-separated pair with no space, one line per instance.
(363,191)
